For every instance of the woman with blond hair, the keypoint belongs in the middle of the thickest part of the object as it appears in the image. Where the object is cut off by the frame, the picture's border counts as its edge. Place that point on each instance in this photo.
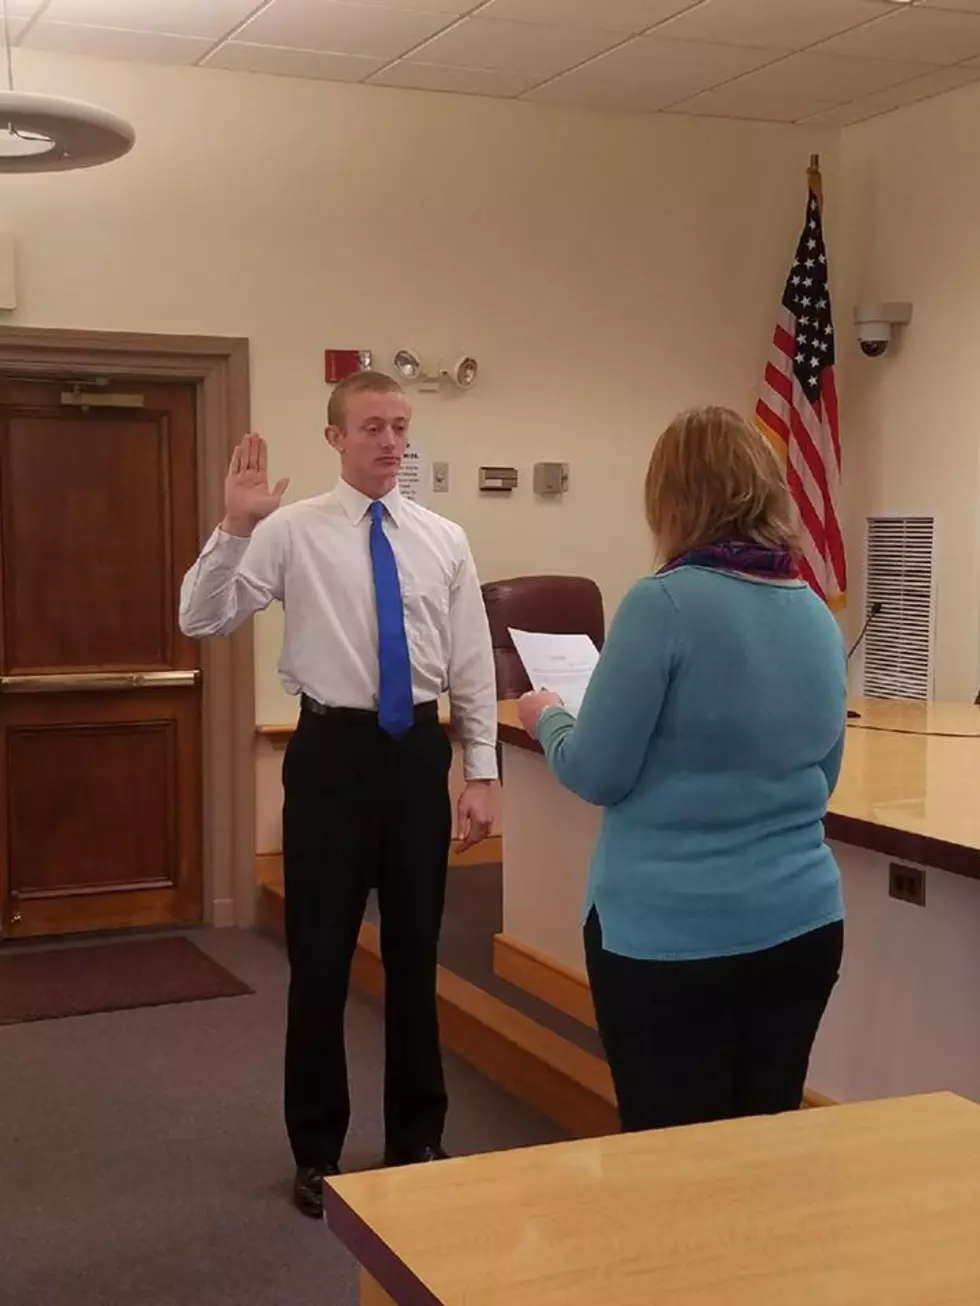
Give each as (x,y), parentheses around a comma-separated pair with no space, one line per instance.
(711,735)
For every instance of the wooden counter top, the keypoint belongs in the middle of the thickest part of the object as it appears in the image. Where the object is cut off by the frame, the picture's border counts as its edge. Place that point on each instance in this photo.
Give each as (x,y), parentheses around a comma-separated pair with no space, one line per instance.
(908,786)
(871,1204)
(903,716)
(281,732)
(889,715)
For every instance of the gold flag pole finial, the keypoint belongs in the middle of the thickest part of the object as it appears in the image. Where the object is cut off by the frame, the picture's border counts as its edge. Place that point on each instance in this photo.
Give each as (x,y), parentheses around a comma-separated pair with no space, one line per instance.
(815,179)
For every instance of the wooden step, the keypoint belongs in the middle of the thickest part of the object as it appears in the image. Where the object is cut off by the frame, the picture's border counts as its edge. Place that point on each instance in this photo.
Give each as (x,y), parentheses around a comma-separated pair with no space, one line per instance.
(538,1066)
(549,1073)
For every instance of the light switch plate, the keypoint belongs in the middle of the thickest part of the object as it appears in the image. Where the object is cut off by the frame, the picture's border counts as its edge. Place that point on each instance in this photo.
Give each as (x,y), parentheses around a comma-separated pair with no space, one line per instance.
(440,478)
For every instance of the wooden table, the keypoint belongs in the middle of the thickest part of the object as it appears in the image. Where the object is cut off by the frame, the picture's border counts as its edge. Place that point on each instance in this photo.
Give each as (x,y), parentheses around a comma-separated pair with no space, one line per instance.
(876,1204)
(907,786)
(914,717)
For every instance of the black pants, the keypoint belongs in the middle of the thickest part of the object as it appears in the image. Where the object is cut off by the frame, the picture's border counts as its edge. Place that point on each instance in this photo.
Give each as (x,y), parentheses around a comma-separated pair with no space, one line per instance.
(690,1041)
(363,811)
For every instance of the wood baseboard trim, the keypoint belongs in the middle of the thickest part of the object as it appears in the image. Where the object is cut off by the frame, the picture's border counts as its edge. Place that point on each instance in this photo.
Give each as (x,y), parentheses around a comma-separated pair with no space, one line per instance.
(547,1072)
(488,851)
(268,870)
(543,977)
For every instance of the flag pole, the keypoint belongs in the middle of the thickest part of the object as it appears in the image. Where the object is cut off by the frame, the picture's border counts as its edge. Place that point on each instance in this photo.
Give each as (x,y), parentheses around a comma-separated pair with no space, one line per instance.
(815,179)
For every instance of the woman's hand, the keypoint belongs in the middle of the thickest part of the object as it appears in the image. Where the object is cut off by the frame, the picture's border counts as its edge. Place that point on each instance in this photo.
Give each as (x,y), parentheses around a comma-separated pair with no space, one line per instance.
(531,705)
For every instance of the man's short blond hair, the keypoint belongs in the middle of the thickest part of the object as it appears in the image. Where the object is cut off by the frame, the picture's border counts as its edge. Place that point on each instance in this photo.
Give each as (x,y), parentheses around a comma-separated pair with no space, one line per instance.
(712,476)
(375,383)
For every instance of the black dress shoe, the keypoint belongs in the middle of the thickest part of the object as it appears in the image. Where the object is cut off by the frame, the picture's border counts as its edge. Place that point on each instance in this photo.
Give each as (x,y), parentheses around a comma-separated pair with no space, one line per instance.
(308,1188)
(416,1156)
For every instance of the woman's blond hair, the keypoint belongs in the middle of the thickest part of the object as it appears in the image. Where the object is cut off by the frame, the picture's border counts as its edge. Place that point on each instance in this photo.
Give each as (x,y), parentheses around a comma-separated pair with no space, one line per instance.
(714,477)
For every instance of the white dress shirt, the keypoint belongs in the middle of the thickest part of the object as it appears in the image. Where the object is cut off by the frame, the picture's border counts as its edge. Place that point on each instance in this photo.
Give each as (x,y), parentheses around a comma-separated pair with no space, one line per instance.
(314,557)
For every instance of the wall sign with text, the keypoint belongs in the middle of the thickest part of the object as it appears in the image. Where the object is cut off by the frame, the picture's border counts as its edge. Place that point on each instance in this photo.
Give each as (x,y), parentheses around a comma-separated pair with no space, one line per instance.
(411,474)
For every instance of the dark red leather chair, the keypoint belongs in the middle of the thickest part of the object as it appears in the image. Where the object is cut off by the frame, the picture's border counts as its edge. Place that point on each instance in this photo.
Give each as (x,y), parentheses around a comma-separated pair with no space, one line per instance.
(548,605)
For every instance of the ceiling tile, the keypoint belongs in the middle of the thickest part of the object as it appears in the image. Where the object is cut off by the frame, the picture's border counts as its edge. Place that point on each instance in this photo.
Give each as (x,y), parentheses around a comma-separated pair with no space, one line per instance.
(114,43)
(651,73)
(695,65)
(627,16)
(734,101)
(532,48)
(772,24)
(239,56)
(628,96)
(926,35)
(830,77)
(463,81)
(922,88)
(449,9)
(205,18)
(957,6)
(370,30)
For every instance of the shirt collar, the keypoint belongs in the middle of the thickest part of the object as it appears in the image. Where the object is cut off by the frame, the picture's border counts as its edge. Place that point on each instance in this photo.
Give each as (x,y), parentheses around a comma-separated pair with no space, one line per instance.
(356,505)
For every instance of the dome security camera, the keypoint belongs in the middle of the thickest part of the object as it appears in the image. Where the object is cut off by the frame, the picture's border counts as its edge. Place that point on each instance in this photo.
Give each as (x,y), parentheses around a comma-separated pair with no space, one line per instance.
(874,324)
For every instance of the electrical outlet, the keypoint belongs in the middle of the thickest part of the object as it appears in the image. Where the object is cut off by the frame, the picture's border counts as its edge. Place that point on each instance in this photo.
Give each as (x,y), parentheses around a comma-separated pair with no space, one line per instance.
(440,478)
(907,884)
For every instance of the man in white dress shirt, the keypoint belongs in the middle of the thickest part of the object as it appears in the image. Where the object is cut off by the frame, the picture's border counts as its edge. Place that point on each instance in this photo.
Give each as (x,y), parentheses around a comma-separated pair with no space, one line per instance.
(383,612)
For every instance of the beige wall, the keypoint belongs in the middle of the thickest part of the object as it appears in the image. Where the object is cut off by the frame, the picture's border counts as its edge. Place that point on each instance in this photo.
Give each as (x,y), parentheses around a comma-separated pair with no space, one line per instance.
(910,213)
(604,269)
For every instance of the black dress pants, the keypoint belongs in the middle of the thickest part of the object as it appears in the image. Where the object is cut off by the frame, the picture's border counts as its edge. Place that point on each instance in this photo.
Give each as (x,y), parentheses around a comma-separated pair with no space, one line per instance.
(363,811)
(692,1041)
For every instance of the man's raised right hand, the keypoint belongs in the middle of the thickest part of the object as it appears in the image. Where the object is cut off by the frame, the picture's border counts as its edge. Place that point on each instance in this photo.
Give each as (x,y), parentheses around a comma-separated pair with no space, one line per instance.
(248,498)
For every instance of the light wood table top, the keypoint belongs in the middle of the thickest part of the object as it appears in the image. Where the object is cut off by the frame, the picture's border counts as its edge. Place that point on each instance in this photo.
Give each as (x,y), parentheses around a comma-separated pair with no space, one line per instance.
(279,733)
(908,785)
(923,785)
(904,715)
(876,1204)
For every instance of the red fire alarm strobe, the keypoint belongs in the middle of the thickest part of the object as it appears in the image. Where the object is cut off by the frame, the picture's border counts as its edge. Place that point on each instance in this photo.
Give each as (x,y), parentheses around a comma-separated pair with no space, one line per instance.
(342,362)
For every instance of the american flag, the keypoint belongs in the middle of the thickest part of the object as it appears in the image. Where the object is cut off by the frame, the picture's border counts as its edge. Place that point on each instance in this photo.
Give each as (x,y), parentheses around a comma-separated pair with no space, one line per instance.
(797,409)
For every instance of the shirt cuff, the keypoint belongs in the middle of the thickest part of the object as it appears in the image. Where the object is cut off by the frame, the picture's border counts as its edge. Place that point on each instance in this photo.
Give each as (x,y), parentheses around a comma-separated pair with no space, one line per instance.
(225,543)
(479,762)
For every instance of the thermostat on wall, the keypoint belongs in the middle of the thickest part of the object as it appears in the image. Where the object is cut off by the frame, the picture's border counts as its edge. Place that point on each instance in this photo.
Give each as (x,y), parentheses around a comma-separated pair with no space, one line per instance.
(498,480)
(550,478)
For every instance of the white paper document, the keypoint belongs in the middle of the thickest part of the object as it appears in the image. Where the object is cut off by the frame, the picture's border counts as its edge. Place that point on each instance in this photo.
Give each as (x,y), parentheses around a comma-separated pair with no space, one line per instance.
(563,663)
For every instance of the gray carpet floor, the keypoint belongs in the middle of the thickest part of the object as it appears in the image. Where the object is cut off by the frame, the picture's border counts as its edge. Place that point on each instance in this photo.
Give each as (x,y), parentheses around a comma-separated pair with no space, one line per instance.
(142,1158)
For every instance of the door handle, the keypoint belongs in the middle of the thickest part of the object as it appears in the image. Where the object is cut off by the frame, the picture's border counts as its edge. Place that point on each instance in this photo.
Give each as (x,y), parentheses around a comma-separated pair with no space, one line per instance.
(102,681)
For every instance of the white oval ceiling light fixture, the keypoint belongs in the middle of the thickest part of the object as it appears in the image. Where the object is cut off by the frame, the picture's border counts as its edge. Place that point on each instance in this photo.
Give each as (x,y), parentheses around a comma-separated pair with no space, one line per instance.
(45,133)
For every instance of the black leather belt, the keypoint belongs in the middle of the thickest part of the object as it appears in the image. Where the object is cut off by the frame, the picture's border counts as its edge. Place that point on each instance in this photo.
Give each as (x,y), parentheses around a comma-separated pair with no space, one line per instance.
(423,711)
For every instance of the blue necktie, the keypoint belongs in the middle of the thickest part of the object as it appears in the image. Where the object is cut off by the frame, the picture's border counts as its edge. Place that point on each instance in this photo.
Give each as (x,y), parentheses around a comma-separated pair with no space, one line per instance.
(396,712)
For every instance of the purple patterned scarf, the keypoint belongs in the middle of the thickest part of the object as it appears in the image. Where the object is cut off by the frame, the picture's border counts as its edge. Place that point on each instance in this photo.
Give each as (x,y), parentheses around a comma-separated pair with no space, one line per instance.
(738,555)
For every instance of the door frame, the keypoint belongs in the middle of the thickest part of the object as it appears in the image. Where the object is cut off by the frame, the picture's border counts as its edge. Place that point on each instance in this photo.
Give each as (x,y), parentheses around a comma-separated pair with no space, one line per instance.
(218,368)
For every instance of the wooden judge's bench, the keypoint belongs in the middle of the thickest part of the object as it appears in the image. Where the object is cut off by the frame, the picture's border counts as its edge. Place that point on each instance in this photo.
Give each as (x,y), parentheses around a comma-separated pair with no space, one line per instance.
(906,815)
(905,818)
(869,1202)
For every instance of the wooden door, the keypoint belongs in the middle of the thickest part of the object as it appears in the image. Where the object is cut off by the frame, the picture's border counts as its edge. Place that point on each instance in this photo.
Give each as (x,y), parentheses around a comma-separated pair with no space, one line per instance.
(100,698)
